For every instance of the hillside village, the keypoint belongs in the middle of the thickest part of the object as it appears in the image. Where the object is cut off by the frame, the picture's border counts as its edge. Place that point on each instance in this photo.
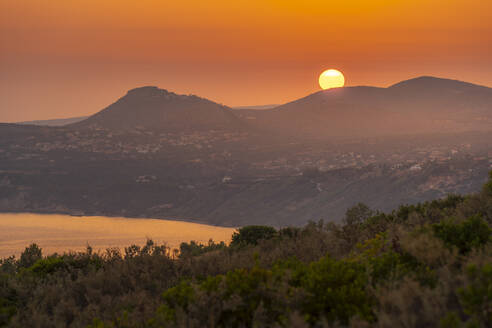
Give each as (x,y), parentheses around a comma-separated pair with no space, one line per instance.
(174,174)
(154,153)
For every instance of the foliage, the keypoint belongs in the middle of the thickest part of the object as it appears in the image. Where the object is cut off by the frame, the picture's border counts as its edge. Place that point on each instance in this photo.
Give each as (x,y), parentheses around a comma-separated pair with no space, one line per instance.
(471,233)
(421,265)
(487,188)
(8,300)
(328,289)
(476,296)
(251,235)
(335,291)
(194,249)
(31,254)
(49,265)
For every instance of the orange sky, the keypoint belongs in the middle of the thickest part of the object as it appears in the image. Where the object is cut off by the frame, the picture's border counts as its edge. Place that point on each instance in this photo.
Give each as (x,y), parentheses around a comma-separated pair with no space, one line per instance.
(62,58)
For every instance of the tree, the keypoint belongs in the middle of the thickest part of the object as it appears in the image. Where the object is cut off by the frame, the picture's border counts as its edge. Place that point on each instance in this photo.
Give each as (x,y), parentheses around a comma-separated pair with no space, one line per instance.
(30,255)
(250,235)
(353,221)
(487,188)
(357,214)
(472,233)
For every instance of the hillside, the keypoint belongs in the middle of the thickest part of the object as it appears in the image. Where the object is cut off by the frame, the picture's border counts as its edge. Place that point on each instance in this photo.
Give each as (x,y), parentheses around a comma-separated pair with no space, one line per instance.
(157,154)
(427,265)
(421,105)
(158,109)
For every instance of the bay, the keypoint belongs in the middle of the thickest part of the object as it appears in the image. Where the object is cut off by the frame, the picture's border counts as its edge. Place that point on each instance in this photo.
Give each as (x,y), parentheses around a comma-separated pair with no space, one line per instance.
(62,233)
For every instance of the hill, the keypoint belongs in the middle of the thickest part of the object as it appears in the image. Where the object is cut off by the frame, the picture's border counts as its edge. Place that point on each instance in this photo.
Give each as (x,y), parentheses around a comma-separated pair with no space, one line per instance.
(420,105)
(426,265)
(154,108)
(157,154)
(55,122)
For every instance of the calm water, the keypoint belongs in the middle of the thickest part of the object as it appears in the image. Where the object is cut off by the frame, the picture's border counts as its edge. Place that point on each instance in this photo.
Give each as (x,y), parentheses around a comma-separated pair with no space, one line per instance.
(59,233)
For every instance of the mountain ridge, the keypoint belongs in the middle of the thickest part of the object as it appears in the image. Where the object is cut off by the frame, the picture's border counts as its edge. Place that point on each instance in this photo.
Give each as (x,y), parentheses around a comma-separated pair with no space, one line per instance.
(131,160)
(155,108)
(424,104)
(419,105)
(435,79)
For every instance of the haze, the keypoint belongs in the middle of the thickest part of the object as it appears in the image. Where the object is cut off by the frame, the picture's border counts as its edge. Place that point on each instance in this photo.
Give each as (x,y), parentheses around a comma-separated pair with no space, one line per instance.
(72,58)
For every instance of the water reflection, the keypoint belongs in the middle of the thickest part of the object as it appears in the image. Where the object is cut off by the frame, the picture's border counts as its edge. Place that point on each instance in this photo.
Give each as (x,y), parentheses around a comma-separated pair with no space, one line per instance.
(59,233)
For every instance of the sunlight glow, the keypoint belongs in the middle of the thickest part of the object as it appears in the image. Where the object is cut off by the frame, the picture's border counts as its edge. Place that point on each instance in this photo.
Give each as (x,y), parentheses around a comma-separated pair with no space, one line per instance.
(331,78)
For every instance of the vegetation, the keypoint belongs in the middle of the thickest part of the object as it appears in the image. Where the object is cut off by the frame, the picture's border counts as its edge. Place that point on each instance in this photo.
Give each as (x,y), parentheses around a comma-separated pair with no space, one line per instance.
(424,265)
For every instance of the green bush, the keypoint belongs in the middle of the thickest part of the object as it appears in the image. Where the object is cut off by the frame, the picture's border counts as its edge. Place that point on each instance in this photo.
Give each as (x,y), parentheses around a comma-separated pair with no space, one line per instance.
(476,297)
(8,300)
(410,268)
(251,235)
(471,233)
(31,254)
(330,290)
(49,265)
(487,188)
(194,249)
(334,290)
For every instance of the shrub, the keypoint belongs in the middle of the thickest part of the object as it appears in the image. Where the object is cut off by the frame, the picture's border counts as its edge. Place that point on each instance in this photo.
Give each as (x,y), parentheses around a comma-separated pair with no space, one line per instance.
(378,276)
(335,291)
(487,188)
(31,254)
(353,222)
(8,300)
(194,249)
(251,235)
(471,233)
(476,297)
(49,265)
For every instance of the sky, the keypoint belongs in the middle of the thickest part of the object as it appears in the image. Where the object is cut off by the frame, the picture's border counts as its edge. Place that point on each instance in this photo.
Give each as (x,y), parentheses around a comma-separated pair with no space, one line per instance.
(62,58)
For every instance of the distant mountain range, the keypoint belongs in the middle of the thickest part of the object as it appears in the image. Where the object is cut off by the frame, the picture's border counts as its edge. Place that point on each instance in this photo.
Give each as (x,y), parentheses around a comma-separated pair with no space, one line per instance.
(421,105)
(55,122)
(154,153)
(70,120)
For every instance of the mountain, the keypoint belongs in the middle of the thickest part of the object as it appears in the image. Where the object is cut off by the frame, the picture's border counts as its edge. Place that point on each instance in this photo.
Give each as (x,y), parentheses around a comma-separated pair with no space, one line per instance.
(154,153)
(55,122)
(153,108)
(420,105)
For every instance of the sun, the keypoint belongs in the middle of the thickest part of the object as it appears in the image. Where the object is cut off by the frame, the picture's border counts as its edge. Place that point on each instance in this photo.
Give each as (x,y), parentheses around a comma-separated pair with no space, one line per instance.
(331,78)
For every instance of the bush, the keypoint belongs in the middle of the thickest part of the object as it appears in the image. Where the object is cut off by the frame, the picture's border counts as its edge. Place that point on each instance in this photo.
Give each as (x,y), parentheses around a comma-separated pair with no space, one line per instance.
(406,268)
(471,233)
(30,255)
(251,235)
(194,249)
(8,300)
(487,188)
(476,297)
(44,267)
(335,291)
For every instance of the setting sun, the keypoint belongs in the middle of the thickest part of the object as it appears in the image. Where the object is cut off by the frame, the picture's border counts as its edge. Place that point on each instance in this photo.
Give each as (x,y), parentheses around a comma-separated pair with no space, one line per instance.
(331,78)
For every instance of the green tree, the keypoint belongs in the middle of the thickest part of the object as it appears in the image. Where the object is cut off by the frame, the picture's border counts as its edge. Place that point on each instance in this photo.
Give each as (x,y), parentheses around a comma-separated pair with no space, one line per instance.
(353,221)
(30,255)
(487,188)
(471,233)
(336,291)
(476,297)
(251,235)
